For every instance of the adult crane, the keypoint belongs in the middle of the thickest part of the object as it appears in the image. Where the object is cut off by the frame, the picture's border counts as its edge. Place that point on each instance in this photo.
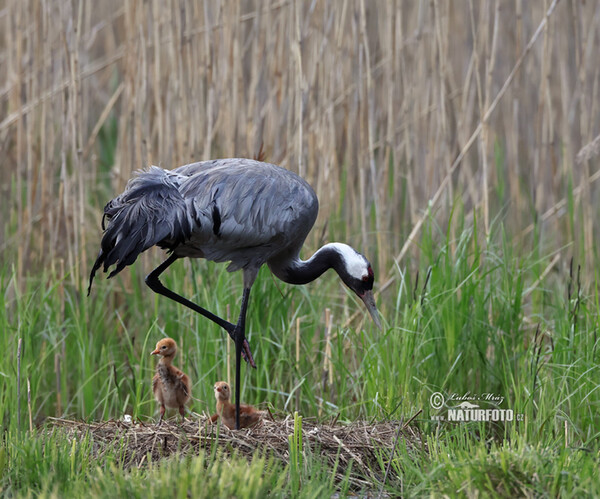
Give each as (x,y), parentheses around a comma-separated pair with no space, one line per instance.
(238,210)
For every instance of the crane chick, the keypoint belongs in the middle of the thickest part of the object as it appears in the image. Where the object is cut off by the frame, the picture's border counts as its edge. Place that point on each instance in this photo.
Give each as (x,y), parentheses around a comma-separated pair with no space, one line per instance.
(249,416)
(171,386)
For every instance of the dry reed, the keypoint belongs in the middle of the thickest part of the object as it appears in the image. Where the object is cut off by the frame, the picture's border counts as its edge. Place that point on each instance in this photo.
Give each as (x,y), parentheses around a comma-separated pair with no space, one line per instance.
(371,101)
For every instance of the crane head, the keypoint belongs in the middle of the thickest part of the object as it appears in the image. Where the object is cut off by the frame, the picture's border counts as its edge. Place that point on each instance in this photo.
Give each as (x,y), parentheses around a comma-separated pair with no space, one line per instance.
(165,348)
(357,274)
(222,391)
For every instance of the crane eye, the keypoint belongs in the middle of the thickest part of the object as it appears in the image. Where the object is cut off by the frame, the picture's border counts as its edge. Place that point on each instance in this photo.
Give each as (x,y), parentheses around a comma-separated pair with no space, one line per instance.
(365,278)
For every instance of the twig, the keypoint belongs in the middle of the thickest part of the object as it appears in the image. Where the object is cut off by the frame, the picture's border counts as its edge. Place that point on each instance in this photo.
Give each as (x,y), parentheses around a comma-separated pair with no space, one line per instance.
(542,276)
(588,151)
(19,346)
(389,465)
(560,204)
(412,419)
(58,384)
(327,375)
(103,116)
(298,361)
(29,405)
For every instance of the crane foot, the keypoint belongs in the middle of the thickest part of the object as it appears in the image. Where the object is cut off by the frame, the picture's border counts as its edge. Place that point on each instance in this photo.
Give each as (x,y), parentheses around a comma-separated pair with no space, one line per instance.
(247,354)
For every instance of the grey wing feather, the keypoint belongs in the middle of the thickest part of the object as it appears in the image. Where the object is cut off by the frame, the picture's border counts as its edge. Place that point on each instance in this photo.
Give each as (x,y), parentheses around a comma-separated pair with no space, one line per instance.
(263,210)
(237,210)
(149,211)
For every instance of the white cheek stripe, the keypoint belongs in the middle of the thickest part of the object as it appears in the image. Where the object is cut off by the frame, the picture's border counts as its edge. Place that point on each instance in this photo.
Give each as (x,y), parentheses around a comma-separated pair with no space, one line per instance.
(356,265)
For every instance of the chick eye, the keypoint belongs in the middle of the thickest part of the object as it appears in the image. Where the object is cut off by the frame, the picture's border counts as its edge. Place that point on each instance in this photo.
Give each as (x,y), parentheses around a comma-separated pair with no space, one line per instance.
(163,347)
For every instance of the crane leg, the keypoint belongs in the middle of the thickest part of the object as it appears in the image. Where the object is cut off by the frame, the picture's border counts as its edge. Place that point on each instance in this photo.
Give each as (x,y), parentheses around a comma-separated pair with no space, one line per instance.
(153,282)
(240,339)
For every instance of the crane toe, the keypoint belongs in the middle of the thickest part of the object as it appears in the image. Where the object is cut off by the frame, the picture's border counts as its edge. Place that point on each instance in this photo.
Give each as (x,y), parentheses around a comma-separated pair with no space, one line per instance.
(247,354)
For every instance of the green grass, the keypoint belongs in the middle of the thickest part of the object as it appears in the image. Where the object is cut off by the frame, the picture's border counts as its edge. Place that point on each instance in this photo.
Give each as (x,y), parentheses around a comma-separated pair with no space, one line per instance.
(481,323)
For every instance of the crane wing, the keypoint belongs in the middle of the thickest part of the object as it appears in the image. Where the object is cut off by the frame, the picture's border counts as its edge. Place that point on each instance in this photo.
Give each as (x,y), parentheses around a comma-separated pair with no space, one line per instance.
(251,210)
(149,211)
(237,210)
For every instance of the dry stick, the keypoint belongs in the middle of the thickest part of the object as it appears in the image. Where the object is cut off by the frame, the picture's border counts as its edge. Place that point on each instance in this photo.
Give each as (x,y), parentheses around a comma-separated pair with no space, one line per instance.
(159,121)
(16,101)
(441,55)
(58,384)
(99,26)
(103,62)
(103,116)
(485,133)
(370,126)
(210,96)
(61,291)
(542,276)
(45,174)
(354,455)
(327,374)
(328,354)
(250,16)
(19,346)
(66,202)
(560,204)
(467,146)
(389,465)
(79,235)
(29,405)
(31,176)
(298,361)
(298,83)
(92,69)
(588,151)
(586,116)
(474,65)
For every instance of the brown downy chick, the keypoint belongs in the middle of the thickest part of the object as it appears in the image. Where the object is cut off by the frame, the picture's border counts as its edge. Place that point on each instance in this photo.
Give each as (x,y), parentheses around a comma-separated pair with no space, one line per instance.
(171,387)
(249,416)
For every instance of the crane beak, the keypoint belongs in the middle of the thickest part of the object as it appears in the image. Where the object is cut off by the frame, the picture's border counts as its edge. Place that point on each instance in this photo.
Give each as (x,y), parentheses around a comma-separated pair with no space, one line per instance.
(369,301)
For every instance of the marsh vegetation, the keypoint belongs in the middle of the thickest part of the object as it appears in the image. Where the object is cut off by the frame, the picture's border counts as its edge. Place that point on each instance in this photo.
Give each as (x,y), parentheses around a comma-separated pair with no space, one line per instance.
(455,144)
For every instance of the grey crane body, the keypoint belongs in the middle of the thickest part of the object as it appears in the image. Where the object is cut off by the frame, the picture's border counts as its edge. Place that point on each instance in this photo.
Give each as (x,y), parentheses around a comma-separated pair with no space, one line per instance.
(240,211)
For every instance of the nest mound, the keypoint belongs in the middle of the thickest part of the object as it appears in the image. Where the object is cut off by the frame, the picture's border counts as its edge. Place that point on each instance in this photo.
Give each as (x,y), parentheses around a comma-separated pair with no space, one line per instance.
(363,445)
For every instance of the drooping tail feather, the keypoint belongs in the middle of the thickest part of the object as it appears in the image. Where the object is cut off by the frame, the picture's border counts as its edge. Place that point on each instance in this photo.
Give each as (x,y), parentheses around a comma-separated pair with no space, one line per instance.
(150,211)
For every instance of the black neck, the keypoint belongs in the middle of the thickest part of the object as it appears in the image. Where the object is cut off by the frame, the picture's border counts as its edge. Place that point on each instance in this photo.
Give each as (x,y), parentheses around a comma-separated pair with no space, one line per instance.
(299,271)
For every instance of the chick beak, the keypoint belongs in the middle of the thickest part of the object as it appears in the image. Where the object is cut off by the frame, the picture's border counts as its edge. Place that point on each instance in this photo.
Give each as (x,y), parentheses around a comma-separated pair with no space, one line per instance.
(369,301)
(155,352)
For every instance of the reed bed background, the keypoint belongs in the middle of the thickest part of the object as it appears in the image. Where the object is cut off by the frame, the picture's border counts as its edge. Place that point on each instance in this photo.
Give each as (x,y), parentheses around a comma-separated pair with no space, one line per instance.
(371,101)
(454,143)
